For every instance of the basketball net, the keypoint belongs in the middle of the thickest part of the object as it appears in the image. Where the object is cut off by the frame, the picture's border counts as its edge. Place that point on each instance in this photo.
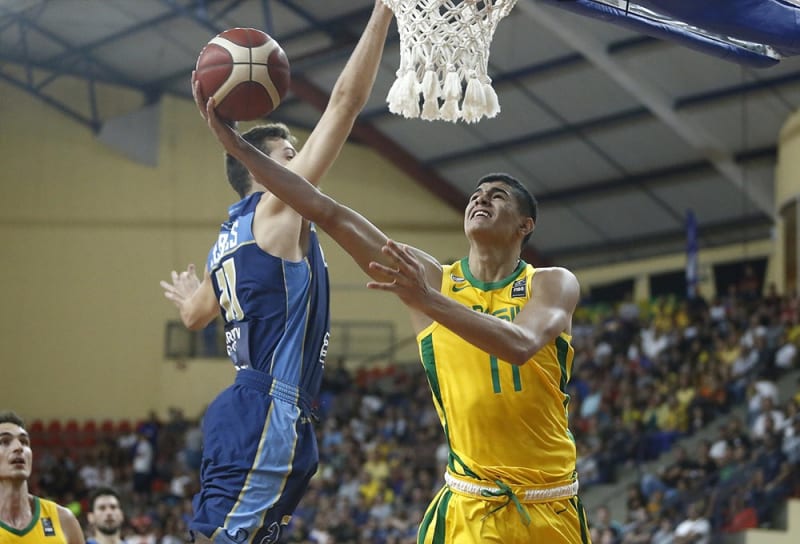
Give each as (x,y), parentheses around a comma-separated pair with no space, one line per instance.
(444,49)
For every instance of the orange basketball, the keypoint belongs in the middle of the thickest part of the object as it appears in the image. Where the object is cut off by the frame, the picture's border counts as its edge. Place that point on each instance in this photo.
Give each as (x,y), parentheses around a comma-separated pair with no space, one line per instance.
(246,72)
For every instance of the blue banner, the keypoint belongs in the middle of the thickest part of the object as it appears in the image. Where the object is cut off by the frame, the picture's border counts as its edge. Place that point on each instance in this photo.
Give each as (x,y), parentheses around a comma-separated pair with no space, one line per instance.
(691,255)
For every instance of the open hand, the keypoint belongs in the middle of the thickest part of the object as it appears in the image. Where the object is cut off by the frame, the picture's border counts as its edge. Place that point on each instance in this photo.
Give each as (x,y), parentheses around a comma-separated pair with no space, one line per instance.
(183,286)
(224,130)
(409,281)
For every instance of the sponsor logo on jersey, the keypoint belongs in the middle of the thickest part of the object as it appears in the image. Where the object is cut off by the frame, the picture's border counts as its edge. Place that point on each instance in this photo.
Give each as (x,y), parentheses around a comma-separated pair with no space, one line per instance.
(458,279)
(323,352)
(237,344)
(227,240)
(518,290)
(47,527)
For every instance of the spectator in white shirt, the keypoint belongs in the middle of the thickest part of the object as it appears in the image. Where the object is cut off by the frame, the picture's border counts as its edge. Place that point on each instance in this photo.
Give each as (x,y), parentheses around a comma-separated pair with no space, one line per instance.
(695,529)
(768,419)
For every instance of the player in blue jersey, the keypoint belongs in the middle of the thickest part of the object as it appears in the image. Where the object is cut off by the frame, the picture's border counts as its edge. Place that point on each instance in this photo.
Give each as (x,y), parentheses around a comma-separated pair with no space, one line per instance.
(267,275)
(106,516)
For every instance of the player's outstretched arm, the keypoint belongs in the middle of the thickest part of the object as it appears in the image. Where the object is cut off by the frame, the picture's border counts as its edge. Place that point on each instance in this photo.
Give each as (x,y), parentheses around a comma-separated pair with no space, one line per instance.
(545,316)
(195,299)
(354,233)
(349,95)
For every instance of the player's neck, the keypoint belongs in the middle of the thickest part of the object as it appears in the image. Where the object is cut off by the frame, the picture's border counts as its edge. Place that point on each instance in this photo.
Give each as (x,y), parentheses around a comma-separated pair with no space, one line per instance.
(102,538)
(490,264)
(16,504)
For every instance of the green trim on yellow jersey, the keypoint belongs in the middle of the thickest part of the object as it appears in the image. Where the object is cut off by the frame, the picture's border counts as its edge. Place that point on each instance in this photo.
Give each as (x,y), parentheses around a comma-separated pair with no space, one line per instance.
(429,364)
(490,285)
(37,510)
(562,349)
(437,515)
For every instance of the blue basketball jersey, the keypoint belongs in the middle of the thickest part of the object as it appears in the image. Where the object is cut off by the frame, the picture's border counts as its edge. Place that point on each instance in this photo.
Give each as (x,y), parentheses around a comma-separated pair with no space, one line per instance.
(276,311)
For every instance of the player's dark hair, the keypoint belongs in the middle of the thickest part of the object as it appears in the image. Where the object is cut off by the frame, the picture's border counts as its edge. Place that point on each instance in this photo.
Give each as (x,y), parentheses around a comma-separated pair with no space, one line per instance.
(259,137)
(102,492)
(7,416)
(526,202)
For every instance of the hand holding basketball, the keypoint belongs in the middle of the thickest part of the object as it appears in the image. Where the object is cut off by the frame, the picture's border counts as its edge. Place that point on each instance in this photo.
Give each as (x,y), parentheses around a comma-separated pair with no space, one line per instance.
(245,71)
(223,129)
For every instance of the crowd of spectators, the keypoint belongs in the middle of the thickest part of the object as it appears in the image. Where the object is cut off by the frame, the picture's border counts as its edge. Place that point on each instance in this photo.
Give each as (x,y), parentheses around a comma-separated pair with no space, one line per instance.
(645,376)
(681,370)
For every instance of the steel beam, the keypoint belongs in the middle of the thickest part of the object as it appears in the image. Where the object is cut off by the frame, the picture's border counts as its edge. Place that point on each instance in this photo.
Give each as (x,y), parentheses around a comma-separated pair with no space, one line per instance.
(652,98)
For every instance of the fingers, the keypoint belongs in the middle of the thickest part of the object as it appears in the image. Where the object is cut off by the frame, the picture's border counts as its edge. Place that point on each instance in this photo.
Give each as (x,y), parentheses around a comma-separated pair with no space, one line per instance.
(381,286)
(214,120)
(383,269)
(399,253)
(211,112)
(197,94)
(171,292)
(176,300)
(173,296)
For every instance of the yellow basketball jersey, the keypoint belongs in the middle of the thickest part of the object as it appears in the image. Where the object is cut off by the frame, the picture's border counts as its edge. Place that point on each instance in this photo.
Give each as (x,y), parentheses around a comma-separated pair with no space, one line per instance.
(501,421)
(44,528)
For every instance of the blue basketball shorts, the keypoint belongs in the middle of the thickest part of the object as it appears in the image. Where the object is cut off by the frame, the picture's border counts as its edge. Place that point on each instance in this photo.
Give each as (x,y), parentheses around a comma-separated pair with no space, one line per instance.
(259,453)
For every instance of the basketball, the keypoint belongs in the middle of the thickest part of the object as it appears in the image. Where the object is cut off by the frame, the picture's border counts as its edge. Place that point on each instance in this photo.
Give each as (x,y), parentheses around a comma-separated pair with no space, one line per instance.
(245,71)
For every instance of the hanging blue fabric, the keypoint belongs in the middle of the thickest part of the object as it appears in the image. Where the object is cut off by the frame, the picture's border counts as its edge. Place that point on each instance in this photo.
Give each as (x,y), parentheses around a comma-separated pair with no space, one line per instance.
(751,32)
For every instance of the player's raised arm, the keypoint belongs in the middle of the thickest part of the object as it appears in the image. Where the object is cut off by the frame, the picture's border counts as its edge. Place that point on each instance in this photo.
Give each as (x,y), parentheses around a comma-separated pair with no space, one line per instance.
(548,313)
(350,93)
(354,233)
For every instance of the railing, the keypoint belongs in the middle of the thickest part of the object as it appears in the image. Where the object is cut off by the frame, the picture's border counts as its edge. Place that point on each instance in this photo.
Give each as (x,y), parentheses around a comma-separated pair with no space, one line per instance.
(352,340)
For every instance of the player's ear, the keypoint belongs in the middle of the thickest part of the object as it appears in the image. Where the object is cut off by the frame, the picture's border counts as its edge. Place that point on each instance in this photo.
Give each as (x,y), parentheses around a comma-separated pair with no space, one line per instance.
(527,225)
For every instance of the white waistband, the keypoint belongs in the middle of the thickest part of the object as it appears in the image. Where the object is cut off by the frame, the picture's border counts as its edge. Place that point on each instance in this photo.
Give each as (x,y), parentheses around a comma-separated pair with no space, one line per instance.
(529,495)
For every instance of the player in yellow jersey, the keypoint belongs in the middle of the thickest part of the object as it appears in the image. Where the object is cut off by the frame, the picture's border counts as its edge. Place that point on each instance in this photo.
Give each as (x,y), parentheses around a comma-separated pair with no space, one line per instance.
(494,337)
(24,518)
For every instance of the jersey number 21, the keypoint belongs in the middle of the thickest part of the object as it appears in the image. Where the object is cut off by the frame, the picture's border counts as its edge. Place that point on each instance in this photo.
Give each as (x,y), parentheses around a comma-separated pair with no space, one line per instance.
(226,280)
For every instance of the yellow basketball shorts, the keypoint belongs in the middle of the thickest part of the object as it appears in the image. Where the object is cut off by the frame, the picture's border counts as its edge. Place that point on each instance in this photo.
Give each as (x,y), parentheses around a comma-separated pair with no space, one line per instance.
(457,518)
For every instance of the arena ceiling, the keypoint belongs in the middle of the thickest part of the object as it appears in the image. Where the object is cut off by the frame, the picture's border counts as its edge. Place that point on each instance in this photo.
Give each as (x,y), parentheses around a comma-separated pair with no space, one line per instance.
(617,133)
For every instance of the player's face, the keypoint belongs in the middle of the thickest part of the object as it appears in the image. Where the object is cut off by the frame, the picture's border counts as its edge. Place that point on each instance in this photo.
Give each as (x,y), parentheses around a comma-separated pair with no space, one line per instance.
(16,456)
(493,208)
(107,515)
(282,151)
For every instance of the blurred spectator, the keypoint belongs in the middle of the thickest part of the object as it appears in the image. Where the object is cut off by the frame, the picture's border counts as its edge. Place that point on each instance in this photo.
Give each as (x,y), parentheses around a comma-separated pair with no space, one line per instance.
(759,389)
(602,521)
(143,530)
(143,459)
(786,355)
(665,531)
(749,286)
(740,516)
(695,529)
(768,419)
(791,441)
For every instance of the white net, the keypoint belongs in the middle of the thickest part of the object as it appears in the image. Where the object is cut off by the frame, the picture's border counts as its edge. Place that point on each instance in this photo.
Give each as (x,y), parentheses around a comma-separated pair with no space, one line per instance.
(444,53)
